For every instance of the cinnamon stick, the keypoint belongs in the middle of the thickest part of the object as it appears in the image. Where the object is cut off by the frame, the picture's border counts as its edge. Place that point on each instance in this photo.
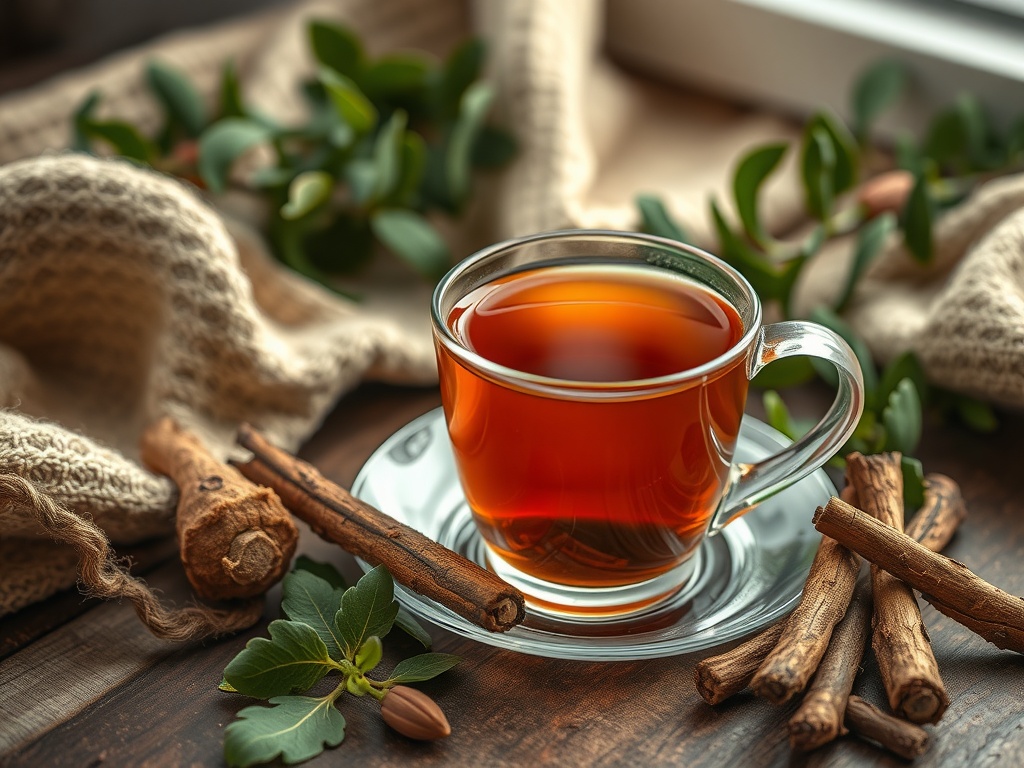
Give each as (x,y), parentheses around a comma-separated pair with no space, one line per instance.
(819,719)
(719,677)
(948,585)
(790,665)
(940,515)
(414,560)
(909,671)
(867,721)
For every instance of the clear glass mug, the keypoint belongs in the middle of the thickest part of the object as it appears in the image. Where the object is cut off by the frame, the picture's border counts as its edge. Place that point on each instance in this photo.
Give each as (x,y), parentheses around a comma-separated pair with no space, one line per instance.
(593,385)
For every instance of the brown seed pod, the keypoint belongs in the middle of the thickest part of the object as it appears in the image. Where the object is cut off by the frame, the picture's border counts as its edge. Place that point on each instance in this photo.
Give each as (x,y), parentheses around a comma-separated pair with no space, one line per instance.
(885,192)
(414,714)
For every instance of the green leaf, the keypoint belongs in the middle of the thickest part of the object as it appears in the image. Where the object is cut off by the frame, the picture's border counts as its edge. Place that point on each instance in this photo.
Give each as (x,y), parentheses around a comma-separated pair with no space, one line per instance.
(750,174)
(948,142)
(82,116)
(906,366)
(870,240)
(813,241)
(314,601)
(272,177)
(226,687)
(397,74)
(344,246)
(908,155)
(180,99)
(223,143)
(777,413)
(462,68)
(411,237)
(875,91)
(773,281)
(1015,142)
(827,371)
(370,653)
(231,103)
(916,222)
(289,241)
(845,148)
(349,102)
(976,414)
(406,622)
(357,684)
(787,372)
(902,418)
(337,48)
(293,659)
(295,729)
(123,137)
(472,111)
(412,165)
(361,175)
(368,608)
(913,481)
(422,667)
(494,148)
(977,129)
(325,571)
(656,220)
(387,155)
(868,436)
(818,168)
(307,192)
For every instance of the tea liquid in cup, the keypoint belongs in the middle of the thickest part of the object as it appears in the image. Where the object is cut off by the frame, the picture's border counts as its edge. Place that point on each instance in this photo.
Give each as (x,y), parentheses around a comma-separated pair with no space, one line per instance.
(593,386)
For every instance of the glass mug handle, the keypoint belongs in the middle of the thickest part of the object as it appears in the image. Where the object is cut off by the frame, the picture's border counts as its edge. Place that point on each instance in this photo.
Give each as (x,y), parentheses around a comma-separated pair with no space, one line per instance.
(756,482)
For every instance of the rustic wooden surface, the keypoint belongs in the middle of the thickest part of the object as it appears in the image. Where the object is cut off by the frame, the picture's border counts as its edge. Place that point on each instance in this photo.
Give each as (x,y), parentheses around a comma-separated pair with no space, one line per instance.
(83,684)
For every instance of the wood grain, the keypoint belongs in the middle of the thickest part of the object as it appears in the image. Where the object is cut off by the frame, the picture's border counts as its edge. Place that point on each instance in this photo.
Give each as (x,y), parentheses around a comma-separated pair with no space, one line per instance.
(38,619)
(62,673)
(508,709)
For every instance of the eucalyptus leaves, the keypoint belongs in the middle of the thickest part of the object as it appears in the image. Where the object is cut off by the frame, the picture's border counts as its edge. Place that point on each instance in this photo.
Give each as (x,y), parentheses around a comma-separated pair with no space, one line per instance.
(328,630)
(960,148)
(386,142)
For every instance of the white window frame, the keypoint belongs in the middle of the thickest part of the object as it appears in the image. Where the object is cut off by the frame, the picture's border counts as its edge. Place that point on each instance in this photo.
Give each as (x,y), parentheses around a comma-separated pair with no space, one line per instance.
(798,55)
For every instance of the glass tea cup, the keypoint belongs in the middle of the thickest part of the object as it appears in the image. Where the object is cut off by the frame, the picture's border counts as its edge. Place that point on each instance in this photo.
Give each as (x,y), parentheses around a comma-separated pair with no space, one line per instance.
(593,386)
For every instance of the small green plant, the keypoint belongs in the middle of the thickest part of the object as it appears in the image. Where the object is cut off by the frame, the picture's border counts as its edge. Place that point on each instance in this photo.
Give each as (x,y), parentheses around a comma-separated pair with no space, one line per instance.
(386,143)
(960,149)
(328,630)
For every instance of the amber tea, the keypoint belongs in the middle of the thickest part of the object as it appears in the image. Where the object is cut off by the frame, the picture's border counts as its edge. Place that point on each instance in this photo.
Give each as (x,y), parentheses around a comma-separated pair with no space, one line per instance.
(594,492)
(593,385)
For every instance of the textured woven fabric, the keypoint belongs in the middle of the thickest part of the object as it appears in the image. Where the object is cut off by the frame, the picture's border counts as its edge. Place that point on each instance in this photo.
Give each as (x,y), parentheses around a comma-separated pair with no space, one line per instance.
(963,314)
(125,296)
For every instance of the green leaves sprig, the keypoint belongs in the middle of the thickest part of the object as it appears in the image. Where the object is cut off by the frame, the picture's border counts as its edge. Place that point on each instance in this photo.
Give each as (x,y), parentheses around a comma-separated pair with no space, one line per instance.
(960,149)
(329,630)
(388,143)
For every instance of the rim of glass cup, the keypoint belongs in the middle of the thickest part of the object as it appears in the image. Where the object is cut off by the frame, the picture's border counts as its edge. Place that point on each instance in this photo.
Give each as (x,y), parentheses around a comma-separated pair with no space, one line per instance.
(552,385)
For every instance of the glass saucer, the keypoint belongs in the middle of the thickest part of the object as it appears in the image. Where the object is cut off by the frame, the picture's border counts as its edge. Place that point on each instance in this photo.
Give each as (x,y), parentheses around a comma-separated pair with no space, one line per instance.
(738,587)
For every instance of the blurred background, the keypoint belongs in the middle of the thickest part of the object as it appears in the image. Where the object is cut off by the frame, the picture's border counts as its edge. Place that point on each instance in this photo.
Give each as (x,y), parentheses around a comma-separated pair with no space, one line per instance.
(39,38)
(791,55)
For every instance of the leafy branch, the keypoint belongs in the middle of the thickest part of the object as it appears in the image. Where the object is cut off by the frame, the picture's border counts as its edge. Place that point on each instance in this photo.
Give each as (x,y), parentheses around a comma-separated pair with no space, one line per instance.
(960,149)
(387,143)
(328,630)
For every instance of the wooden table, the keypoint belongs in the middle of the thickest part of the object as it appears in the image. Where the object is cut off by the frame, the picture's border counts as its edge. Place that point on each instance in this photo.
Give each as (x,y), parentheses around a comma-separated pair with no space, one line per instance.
(83,684)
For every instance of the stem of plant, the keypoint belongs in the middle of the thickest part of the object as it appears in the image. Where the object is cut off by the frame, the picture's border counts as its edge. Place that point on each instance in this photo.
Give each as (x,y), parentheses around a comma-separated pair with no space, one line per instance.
(845,221)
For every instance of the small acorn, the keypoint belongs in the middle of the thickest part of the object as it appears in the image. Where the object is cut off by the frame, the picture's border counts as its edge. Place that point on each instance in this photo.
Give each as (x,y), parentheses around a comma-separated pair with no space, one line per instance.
(885,192)
(414,714)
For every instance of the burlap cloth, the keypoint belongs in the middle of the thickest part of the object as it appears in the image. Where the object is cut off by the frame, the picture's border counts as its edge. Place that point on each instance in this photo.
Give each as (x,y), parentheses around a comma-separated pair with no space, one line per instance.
(125,295)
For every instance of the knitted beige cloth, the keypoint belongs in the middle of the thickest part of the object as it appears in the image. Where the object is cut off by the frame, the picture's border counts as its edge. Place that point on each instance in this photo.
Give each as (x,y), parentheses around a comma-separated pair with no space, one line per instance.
(125,296)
